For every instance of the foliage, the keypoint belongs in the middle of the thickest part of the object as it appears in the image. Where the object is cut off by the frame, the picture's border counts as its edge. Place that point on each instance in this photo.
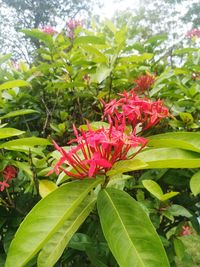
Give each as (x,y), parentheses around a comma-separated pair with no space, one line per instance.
(147,197)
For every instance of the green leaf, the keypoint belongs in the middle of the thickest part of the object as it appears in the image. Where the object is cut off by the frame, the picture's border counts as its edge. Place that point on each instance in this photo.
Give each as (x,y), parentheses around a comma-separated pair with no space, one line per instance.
(45,219)
(129,232)
(89,40)
(186,117)
(92,50)
(95,125)
(54,248)
(46,187)
(38,34)
(18,113)
(153,188)
(137,58)
(25,142)
(195,183)
(101,74)
(110,26)
(184,140)
(15,83)
(168,196)
(156,190)
(179,248)
(125,166)
(9,132)
(177,210)
(169,158)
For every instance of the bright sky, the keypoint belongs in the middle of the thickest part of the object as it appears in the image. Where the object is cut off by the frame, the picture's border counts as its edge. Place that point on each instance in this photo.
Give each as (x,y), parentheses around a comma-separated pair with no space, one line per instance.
(111,6)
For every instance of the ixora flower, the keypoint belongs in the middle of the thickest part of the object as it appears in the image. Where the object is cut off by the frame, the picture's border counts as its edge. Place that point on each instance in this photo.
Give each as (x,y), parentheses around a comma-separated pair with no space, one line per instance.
(72,24)
(96,151)
(3,185)
(186,230)
(193,33)
(143,83)
(49,30)
(135,111)
(9,173)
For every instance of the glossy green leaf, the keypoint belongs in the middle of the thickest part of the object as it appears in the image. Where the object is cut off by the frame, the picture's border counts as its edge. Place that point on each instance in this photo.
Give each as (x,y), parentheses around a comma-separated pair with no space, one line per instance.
(129,232)
(45,219)
(156,190)
(25,142)
(9,132)
(169,195)
(15,83)
(125,166)
(195,183)
(54,248)
(153,188)
(18,113)
(184,140)
(46,187)
(169,158)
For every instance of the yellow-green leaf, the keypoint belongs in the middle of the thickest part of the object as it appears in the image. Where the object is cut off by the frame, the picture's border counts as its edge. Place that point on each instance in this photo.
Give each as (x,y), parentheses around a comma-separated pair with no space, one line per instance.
(46,187)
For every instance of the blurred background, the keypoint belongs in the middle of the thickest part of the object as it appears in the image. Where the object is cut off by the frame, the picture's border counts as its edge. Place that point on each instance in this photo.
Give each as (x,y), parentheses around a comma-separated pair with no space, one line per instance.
(144,17)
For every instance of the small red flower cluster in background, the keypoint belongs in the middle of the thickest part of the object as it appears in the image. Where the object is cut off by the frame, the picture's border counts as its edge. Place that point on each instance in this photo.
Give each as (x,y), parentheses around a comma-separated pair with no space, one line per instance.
(186,230)
(49,30)
(71,27)
(97,150)
(143,83)
(9,173)
(134,111)
(193,33)
(72,24)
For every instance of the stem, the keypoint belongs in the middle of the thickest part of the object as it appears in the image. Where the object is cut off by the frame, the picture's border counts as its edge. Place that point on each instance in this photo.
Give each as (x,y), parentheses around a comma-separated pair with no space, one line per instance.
(110,87)
(34,173)
(106,181)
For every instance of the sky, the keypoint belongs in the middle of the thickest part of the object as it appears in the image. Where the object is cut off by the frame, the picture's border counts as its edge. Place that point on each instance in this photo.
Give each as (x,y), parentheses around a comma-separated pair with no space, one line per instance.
(111,6)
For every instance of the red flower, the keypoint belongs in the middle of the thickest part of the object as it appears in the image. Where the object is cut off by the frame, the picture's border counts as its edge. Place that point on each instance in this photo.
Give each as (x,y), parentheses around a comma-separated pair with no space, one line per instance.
(49,30)
(143,83)
(134,111)
(185,230)
(193,33)
(3,185)
(9,173)
(96,151)
(73,24)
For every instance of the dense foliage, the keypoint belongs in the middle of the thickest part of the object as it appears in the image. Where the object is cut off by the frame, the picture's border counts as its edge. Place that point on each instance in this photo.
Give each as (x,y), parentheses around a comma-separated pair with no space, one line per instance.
(134,111)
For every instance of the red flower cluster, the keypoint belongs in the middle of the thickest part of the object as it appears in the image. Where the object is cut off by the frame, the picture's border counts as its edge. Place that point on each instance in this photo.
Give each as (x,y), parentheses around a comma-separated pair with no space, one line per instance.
(193,33)
(144,82)
(185,230)
(49,30)
(96,151)
(135,111)
(71,27)
(8,174)
(72,24)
